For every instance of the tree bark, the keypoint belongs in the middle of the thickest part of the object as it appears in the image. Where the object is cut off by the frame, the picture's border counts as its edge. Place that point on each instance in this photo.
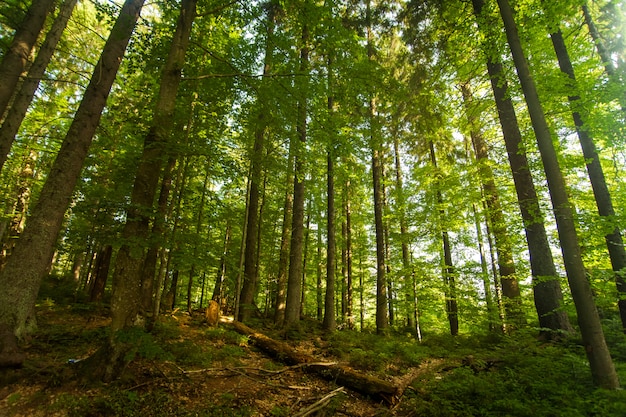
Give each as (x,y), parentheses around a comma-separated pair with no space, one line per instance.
(448,271)
(547,293)
(340,374)
(101,273)
(24,97)
(15,59)
(248,289)
(127,294)
(602,368)
(506,265)
(330,323)
(294,280)
(31,258)
(283,261)
(604,202)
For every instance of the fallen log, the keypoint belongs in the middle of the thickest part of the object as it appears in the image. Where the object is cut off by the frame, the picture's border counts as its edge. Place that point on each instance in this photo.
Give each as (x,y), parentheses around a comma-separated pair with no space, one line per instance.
(340,374)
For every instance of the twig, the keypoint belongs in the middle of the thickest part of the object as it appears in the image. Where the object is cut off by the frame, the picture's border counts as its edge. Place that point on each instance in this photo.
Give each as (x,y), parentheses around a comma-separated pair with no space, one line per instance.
(318,405)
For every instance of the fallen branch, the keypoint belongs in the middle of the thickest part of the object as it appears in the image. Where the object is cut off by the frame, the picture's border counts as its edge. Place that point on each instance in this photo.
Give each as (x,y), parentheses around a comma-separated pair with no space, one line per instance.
(340,374)
(318,405)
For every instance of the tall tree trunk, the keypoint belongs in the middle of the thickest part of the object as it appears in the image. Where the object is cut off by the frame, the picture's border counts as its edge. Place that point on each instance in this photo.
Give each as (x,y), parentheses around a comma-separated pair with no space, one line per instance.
(600,361)
(33,253)
(604,202)
(547,293)
(407,287)
(127,295)
(246,298)
(330,322)
(283,261)
(15,59)
(24,97)
(294,280)
(506,265)
(448,267)
(382,319)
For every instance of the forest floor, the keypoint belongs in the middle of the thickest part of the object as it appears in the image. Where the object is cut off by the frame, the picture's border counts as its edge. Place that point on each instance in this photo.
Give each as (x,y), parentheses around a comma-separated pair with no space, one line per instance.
(187,368)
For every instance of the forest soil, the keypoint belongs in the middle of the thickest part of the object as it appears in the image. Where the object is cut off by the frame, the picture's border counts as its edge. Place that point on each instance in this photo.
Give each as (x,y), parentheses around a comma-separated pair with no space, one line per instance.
(246,383)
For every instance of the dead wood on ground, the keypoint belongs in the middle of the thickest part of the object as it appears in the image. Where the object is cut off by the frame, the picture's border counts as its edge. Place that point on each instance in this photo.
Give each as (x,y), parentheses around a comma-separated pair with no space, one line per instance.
(340,374)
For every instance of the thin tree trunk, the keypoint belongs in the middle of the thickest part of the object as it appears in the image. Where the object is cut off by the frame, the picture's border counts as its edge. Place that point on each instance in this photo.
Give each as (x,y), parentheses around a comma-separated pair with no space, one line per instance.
(604,202)
(330,322)
(448,267)
(491,310)
(319,295)
(221,275)
(404,238)
(101,273)
(33,253)
(24,97)
(283,262)
(600,361)
(16,57)
(195,249)
(510,287)
(547,293)
(348,244)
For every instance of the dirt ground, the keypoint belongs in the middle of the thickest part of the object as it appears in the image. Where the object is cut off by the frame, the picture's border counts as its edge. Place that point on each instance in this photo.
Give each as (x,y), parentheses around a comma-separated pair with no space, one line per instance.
(244,383)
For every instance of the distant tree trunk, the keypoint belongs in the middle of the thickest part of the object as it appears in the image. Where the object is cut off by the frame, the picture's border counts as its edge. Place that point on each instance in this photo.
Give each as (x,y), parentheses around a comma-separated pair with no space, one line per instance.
(283,262)
(101,273)
(319,295)
(390,293)
(25,95)
(305,258)
(605,56)
(604,202)
(491,310)
(149,271)
(221,274)
(33,253)
(294,280)
(127,293)
(15,59)
(600,361)
(348,244)
(407,275)
(330,323)
(506,265)
(448,267)
(546,287)
(20,209)
(195,249)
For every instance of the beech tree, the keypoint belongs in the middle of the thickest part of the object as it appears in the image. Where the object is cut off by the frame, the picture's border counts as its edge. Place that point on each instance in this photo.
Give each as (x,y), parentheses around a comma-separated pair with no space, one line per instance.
(602,367)
(33,253)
